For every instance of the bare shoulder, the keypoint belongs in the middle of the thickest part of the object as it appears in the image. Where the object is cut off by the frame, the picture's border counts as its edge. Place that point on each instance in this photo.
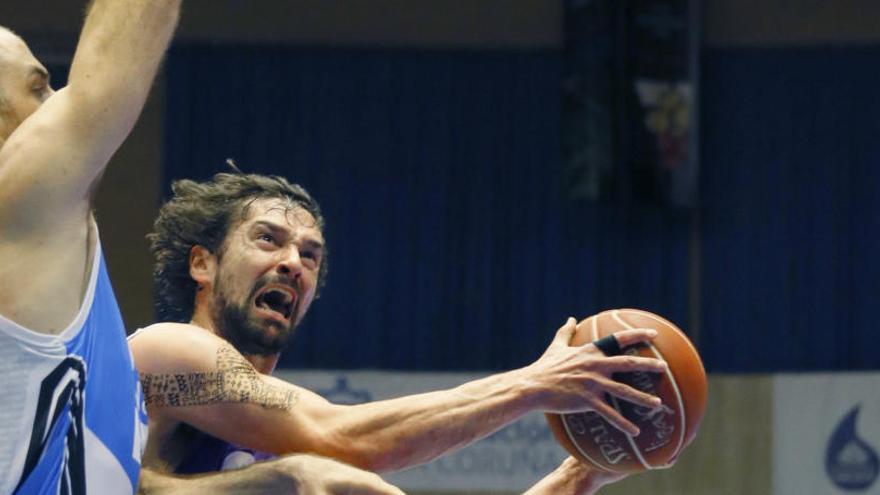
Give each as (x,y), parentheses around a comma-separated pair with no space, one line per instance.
(176,348)
(183,365)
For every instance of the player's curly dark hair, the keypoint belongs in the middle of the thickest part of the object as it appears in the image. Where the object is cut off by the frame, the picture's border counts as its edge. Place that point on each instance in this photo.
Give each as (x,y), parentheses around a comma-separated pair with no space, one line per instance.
(202,213)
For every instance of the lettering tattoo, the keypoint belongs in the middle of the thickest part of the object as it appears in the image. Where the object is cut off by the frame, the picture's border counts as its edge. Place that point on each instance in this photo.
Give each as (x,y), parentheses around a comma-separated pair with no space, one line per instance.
(233,381)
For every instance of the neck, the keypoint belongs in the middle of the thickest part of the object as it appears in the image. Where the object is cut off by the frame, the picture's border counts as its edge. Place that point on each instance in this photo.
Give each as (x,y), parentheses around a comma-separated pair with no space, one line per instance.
(264,364)
(202,318)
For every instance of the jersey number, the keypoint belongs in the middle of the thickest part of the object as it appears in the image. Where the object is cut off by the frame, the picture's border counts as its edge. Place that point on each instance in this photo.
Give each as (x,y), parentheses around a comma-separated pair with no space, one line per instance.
(61,393)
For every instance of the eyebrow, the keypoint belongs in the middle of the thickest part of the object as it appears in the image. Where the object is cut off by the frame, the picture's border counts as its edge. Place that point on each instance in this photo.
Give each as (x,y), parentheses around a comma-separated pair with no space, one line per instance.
(35,69)
(309,242)
(313,244)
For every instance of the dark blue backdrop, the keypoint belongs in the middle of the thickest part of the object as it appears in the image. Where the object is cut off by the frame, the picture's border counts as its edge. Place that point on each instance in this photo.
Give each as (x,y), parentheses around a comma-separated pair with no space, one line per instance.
(454,246)
(791,223)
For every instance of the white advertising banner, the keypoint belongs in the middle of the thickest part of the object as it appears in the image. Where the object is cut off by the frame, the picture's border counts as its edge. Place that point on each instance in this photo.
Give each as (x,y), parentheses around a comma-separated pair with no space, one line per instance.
(826,434)
(512,459)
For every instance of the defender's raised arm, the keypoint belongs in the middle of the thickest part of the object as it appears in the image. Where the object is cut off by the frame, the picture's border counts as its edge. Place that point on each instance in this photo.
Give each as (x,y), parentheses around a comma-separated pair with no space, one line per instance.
(73,419)
(50,163)
(54,148)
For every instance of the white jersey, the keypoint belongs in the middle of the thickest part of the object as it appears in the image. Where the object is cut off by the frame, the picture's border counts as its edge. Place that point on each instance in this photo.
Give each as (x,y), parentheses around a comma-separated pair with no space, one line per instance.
(72,416)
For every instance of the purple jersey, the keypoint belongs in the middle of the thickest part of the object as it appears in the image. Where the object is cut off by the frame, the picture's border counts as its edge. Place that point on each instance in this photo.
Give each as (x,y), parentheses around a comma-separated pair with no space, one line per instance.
(209,454)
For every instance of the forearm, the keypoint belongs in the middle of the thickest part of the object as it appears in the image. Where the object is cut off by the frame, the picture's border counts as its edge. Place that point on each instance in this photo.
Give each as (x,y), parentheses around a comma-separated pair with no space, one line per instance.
(263,478)
(290,475)
(117,57)
(395,434)
(122,41)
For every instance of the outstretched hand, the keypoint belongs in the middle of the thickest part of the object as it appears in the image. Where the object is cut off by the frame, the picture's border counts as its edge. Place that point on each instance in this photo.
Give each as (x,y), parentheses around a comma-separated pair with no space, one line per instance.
(575,379)
(321,476)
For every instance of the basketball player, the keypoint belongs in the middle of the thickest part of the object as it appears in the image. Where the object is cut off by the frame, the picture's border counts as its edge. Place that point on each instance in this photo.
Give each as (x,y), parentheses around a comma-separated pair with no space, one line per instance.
(72,418)
(71,414)
(239,260)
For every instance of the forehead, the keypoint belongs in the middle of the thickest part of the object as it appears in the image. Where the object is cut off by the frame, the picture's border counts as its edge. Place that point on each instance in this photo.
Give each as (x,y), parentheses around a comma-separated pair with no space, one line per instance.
(281,213)
(13,49)
(16,59)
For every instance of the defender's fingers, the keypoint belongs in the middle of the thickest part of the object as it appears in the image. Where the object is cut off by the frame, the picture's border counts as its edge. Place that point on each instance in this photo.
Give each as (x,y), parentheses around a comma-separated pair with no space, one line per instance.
(379,488)
(616,419)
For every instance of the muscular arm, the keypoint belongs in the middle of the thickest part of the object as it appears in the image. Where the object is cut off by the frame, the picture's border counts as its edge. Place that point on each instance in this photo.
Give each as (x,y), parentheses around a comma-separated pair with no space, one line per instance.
(234,402)
(194,377)
(49,165)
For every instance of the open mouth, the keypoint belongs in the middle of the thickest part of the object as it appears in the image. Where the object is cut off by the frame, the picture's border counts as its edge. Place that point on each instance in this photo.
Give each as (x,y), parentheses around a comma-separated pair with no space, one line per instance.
(277,300)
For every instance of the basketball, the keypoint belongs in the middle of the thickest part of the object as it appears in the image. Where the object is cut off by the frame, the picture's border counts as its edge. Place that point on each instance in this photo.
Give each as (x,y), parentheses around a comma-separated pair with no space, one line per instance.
(665,431)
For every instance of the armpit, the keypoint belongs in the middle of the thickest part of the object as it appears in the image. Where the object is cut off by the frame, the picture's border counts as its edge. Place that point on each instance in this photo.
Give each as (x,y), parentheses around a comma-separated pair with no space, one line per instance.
(234,380)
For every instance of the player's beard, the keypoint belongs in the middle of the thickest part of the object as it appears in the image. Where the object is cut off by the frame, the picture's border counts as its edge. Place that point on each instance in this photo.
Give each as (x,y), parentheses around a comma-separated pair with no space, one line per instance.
(247,333)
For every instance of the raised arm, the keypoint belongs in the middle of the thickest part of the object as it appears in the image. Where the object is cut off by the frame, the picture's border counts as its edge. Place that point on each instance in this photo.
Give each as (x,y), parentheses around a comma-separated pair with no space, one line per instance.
(54,148)
(202,381)
(50,164)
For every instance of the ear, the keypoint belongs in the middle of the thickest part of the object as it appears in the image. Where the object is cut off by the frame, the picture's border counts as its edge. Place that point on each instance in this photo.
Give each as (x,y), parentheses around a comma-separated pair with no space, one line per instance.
(202,266)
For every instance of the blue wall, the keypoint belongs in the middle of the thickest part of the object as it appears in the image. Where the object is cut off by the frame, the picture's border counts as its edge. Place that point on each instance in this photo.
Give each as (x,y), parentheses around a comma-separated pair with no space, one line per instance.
(454,246)
(791,218)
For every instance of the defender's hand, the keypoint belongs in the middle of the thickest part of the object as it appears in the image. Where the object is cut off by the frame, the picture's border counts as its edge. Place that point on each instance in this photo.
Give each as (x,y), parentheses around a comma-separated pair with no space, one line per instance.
(322,476)
(573,477)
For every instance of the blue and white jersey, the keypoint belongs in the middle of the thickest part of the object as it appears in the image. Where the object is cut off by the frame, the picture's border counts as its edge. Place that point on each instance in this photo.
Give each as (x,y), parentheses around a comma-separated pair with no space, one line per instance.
(72,415)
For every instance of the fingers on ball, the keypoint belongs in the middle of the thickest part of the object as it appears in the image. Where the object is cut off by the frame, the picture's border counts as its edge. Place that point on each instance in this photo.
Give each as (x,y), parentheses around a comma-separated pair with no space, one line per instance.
(630,364)
(566,330)
(634,395)
(635,336)
(615,418)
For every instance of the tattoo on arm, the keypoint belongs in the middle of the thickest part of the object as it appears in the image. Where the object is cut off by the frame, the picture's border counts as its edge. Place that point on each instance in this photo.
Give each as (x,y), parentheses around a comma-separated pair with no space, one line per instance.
(233,380)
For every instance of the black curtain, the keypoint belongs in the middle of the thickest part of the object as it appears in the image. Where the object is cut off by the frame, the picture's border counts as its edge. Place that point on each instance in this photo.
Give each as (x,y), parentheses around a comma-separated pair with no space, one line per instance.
(453,245)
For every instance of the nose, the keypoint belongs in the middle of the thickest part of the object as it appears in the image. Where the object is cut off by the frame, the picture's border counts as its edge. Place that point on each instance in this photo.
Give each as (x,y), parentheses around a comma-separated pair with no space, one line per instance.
(290,263)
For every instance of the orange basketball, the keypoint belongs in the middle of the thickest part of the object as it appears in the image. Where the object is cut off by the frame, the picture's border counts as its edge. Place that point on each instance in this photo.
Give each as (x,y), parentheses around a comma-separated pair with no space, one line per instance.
(664,432)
